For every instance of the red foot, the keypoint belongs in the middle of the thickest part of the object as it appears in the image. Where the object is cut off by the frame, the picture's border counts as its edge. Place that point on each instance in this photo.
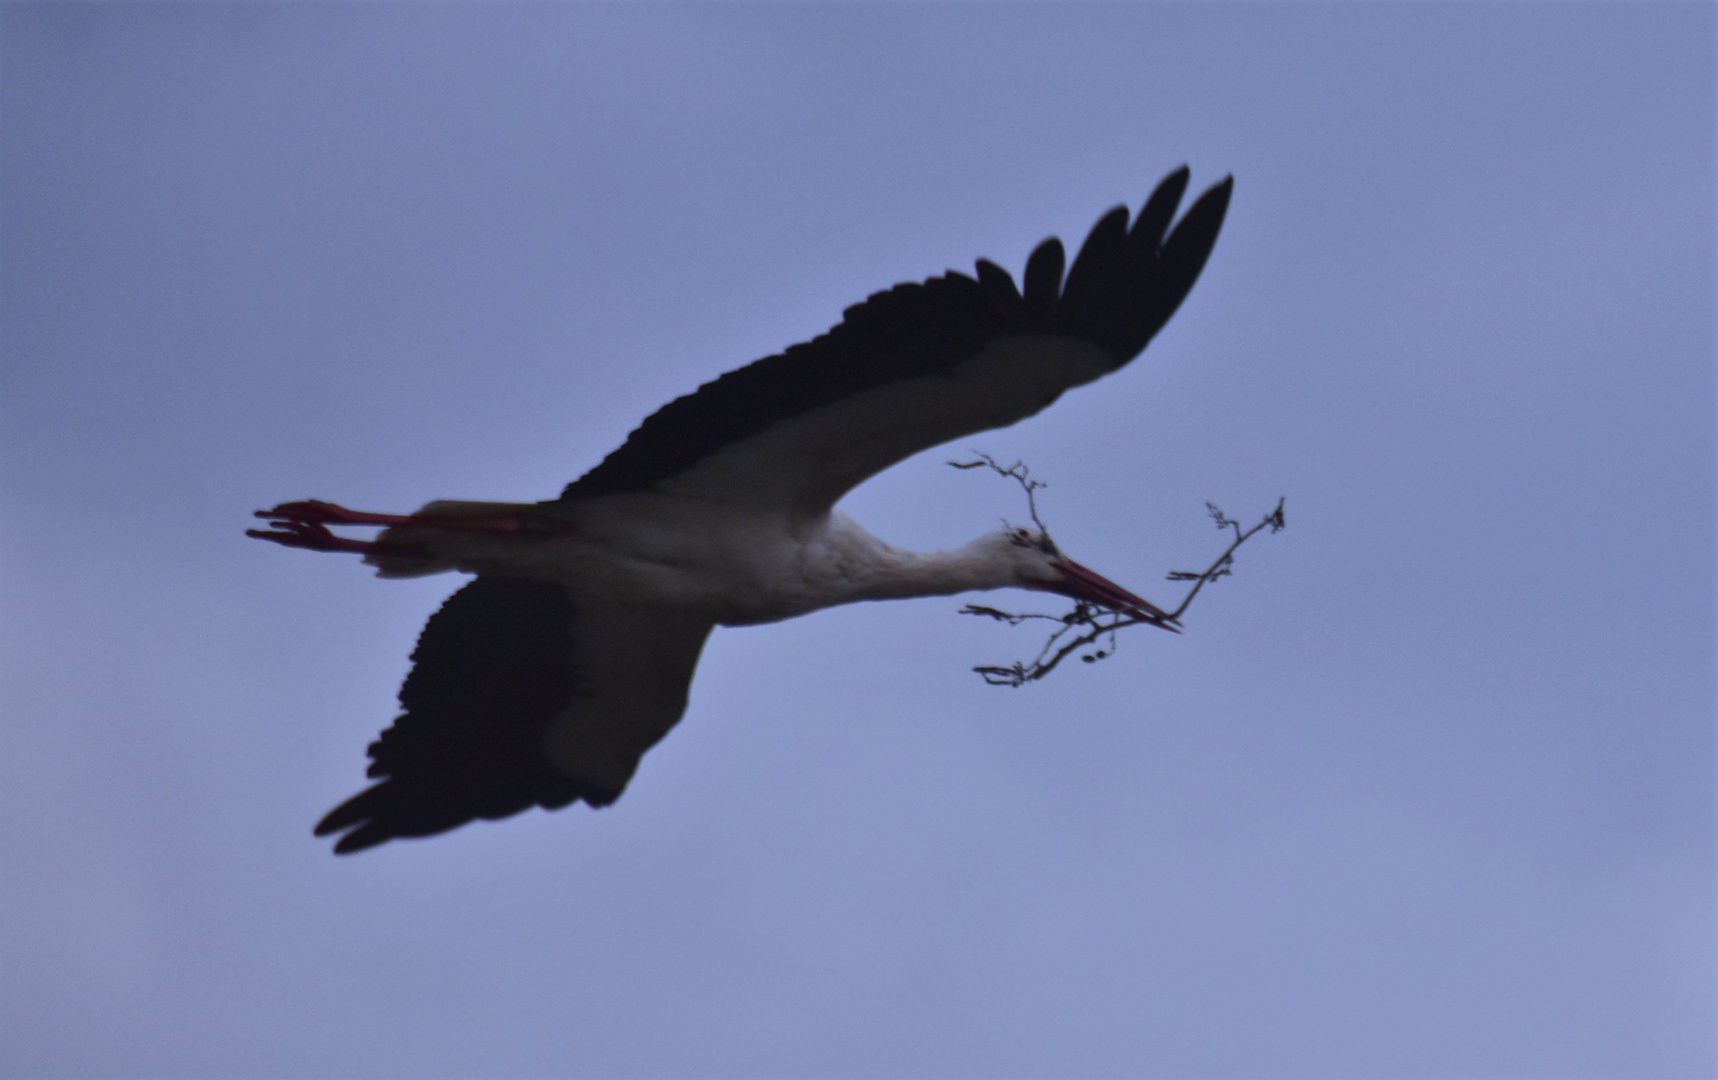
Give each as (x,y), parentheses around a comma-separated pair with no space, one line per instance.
(317,512)
(305,525)
(314,536)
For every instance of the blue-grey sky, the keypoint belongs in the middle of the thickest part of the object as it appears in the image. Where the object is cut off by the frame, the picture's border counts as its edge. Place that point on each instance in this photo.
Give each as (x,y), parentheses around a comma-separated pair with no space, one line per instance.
(1426,790)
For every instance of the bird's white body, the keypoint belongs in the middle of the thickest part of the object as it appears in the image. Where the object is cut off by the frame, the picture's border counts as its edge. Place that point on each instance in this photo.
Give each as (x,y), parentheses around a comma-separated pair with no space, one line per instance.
(733,565)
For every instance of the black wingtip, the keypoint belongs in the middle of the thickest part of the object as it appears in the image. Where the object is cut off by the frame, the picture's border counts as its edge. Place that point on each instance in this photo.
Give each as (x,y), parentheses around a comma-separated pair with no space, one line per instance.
(356,811)
(1180,260)
(1159,210)
(1187,248)
(361,839)
(1127,282)
(1219,193)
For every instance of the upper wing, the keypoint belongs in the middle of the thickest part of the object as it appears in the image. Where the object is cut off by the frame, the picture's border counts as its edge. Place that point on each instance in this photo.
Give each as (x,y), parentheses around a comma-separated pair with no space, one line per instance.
(521,694)
(921,364)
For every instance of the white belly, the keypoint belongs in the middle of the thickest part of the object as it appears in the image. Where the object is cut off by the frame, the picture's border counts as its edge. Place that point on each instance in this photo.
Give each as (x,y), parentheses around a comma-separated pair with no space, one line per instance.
(735,566)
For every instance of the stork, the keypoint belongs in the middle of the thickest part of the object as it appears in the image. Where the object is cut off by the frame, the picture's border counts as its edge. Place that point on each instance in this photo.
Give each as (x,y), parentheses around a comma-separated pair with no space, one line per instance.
(545,679)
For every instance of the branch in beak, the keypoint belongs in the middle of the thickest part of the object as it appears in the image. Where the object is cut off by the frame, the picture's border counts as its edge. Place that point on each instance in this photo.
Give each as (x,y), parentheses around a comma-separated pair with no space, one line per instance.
(1083,584)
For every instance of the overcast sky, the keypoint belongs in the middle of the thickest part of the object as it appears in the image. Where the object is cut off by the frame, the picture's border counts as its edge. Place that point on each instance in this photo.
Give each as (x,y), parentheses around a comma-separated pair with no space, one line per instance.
(1426,789)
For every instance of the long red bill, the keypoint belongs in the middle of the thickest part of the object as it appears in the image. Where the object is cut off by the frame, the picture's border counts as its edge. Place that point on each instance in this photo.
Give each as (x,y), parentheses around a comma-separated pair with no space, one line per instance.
(1083,584)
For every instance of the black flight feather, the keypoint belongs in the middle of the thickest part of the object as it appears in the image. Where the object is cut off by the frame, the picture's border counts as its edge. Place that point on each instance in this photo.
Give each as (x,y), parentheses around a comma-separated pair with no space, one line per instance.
(1042,281)
(1097,265)
(1000,284)
(1154,216)
(490,671)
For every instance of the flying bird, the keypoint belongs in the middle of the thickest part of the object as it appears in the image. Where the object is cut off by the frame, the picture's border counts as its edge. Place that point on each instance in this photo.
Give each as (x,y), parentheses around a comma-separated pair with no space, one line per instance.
(545,679)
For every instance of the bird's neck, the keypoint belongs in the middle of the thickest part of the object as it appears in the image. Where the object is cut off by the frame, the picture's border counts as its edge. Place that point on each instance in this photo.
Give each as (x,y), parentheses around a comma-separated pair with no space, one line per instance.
(897,574)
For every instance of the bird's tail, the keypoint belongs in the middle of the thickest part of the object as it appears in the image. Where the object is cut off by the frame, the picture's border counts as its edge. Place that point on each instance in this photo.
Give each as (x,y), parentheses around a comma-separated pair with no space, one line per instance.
(397,553)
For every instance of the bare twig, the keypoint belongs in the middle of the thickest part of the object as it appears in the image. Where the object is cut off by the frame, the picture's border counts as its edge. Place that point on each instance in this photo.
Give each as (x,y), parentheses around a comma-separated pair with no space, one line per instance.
(1017,472)
(1089,623)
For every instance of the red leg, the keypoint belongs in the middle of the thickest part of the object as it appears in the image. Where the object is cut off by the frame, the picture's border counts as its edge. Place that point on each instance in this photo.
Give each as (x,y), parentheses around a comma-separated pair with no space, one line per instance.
(305,525)
(317,512)
(314,536)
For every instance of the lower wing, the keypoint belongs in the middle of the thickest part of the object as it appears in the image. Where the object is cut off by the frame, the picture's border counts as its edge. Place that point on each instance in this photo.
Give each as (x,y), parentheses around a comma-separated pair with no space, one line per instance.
(521,694)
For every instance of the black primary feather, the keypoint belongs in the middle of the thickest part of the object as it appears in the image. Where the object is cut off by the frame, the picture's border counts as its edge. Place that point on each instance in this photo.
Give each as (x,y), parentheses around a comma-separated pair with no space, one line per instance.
(1096,265)
(1000,284)
(1154,216)
(1042,282)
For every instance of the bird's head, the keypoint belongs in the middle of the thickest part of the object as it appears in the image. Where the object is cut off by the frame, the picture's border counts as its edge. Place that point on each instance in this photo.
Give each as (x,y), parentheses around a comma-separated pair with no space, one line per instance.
(1039,564)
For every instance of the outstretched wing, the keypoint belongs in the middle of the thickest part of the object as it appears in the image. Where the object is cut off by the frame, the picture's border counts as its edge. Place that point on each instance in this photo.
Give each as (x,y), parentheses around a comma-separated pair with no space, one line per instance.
(521,694)
(921,364)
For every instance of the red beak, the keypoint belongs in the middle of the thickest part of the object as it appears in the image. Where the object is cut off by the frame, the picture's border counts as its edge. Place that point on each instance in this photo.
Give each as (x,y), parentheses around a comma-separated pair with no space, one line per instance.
(1083,584)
